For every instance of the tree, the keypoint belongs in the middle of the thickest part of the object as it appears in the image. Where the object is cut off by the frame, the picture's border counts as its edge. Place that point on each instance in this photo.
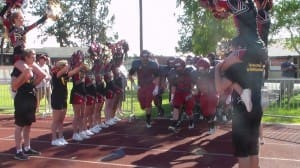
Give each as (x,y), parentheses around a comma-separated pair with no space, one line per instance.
(201,32)
(286,17)
(84,20)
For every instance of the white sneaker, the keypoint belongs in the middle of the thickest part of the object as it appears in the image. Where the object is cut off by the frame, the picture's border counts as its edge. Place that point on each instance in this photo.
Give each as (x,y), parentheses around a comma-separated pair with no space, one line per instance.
(148,125)
(117,118)
(246,98)
(191,126)
(83,135)
(211,131)
(96,129)
(103,125)
(57,142)
(62,140)
(88,132)
(77,137)
(110,122)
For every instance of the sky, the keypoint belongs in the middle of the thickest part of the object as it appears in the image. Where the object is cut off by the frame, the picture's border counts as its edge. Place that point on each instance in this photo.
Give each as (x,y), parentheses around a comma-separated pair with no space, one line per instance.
(160,28)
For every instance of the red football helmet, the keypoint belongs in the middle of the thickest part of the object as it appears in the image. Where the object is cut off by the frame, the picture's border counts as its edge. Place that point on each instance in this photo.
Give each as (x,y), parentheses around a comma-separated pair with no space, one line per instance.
(203,64)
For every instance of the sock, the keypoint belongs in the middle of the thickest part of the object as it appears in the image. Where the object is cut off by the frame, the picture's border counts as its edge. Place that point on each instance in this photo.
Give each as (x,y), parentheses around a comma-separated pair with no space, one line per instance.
(19,150)
(26,148)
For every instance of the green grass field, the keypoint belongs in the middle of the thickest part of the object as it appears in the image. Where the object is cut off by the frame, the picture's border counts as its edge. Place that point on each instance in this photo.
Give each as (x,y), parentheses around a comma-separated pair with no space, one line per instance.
(131,105)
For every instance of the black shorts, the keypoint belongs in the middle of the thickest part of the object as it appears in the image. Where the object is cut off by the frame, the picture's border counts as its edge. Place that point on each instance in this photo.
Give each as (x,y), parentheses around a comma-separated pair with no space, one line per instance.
(58,102)
(25,107)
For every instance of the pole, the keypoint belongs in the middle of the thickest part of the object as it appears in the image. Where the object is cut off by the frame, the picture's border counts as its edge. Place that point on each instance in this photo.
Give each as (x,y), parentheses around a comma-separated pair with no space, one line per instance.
(141,25)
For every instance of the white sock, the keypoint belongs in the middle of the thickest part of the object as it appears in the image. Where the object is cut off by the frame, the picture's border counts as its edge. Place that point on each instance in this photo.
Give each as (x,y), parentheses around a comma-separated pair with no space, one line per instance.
(26,148)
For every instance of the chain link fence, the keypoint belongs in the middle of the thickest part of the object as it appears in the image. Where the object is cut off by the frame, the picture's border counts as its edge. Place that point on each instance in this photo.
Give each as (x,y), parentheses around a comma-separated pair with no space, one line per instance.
(281,98)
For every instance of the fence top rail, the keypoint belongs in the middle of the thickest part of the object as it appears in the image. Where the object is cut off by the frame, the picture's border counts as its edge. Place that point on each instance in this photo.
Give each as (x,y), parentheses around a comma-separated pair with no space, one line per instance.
(296,80)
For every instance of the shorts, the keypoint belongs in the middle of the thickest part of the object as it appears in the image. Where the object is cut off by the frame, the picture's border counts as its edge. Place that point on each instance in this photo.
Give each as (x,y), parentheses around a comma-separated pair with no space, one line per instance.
(100,99)
(77,98)
(184,99)
(58,102)
(25,107)
(145,96)
(90,100)
(208,104)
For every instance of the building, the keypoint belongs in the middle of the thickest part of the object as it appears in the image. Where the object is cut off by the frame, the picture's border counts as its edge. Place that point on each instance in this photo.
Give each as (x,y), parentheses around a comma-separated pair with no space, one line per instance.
(277,55)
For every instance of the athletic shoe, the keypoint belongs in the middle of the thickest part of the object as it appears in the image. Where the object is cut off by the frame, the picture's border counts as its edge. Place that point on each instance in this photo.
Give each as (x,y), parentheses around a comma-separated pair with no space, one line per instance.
(32,152)
(83,135)
(57,142)
(117,118)
(21,156)
(77,137)
(104,125)
(173,128)
(148,125)
(96,129)
(62,139)
(211,131)
(89,133)
(191,126)
(110,122)
(246,98)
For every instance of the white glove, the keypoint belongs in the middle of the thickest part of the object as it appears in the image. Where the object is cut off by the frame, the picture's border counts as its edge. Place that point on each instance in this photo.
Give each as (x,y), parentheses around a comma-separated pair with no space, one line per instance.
(155,90)
(188,97)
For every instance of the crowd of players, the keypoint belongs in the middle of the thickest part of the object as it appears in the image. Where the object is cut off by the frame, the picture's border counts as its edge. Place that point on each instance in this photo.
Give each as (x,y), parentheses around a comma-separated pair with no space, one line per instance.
(189,82)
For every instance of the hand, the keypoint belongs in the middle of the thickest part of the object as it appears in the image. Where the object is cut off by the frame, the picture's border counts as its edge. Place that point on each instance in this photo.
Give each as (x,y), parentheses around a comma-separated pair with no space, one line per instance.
(155,91)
